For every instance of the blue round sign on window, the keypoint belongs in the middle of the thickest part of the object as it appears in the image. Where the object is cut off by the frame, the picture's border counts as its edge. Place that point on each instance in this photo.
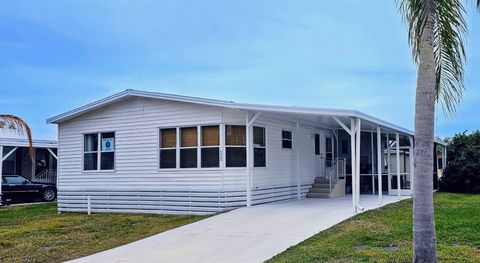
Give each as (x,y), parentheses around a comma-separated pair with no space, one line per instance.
(108,144)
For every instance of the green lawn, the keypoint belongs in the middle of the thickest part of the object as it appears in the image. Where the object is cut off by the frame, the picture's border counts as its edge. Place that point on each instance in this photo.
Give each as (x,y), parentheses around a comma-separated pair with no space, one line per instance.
(36,233)
(364,238)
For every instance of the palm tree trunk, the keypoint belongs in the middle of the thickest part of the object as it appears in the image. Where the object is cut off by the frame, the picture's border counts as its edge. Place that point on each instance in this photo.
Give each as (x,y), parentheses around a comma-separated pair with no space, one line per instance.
(424,240)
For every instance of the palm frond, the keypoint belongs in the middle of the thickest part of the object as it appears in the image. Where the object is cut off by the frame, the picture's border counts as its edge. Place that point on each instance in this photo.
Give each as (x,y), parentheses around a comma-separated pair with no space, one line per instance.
(449,31)
(20,126)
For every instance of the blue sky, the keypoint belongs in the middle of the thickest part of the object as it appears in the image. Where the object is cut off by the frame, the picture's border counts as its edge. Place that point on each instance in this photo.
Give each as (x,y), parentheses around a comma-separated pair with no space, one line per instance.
(57,55)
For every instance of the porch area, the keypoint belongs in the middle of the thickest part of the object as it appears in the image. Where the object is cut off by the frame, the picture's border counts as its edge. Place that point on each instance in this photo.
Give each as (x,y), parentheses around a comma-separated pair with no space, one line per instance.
(351,154)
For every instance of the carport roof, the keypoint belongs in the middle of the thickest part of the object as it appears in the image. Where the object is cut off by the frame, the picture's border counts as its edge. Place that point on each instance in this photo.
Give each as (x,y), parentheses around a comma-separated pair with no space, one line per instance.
(21,142)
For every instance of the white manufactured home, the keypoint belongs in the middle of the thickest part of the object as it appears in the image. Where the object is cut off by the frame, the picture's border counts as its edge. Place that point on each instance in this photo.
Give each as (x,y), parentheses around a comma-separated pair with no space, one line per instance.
(147,152)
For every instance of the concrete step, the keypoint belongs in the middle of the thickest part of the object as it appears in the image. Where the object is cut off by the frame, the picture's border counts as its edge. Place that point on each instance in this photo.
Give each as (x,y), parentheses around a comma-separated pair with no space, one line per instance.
(319,190)
(318,195)
(321,180)
(323,185)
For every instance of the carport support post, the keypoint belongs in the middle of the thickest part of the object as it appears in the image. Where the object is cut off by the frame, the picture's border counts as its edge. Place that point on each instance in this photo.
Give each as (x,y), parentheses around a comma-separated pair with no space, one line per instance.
(444,157)
(357,160)
(353,162)
(249,140)
(410,157)
(1,173)
(249,158)
(389,164)
(379,164)
(373,163)
(397,153)
(297,149)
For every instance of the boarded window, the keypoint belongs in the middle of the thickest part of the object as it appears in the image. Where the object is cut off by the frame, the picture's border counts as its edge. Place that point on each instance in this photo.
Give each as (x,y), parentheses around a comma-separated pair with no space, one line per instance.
(235,135)
(210,152)
(168,152)
(235,140)
(210,136)
(189,137)
(168,138)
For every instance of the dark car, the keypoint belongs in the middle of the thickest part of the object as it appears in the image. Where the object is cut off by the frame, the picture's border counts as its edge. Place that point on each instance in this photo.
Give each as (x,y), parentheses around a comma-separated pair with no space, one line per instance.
(16,188)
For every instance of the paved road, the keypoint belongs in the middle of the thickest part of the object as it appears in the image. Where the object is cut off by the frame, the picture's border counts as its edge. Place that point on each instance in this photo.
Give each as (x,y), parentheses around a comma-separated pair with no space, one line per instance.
(252,234)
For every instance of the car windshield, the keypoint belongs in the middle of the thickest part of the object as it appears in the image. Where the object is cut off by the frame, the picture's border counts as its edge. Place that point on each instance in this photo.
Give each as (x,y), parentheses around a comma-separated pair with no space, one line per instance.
(14,180)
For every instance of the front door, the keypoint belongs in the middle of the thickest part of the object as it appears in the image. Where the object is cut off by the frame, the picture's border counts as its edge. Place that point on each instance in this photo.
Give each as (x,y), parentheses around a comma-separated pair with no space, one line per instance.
(405,182)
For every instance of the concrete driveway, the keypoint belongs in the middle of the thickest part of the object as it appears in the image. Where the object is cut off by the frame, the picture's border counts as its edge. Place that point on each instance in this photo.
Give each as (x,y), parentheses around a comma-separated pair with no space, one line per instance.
(252,234)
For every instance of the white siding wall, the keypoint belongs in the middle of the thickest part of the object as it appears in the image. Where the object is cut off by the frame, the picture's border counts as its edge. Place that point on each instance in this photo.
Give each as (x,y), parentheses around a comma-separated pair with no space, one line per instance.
(137,185)
(281,163)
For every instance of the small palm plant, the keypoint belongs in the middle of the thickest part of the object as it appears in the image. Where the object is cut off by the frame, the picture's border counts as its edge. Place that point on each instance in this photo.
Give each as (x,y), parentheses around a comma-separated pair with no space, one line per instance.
(436,33)
(18,125)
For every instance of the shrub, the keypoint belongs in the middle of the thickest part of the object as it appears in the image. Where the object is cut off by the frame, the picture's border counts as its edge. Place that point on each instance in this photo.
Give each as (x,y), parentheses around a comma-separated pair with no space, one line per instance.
(462,173)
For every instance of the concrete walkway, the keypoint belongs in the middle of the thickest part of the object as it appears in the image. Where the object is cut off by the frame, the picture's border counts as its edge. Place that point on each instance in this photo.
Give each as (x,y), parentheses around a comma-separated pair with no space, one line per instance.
(252,234)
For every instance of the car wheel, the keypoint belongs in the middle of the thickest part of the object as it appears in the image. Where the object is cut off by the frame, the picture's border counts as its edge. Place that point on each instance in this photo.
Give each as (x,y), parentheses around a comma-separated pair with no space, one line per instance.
(48,195)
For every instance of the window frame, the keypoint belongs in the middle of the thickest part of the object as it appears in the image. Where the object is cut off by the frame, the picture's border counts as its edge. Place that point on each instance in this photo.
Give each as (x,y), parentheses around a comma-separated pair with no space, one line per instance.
(262,147)
(180,147)
(286,139)
(201,146)
(159,148)
(222,148)
(99,152)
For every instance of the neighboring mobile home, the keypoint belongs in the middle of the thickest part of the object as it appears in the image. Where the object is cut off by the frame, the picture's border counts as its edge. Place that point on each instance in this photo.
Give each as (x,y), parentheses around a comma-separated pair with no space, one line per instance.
(149,152)
(16,160)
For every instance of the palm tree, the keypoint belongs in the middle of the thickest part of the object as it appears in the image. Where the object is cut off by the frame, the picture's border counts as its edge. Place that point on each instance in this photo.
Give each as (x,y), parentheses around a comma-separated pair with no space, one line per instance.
(436,33)
(20,126)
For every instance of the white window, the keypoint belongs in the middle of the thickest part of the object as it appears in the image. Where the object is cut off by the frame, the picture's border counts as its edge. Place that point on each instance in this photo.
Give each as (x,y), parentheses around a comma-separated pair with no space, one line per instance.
(286,139)
(259,147)
(235,146)
(99,151)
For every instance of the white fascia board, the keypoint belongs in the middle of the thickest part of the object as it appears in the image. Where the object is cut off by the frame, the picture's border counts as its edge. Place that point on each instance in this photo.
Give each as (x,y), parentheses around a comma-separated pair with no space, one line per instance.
(18,142)
(226,104)
(294,110)
(88,107)
(383,123)
(133,93)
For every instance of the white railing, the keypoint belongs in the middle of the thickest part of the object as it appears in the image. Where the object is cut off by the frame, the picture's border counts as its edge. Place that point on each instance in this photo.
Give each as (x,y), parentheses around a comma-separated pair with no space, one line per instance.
(341,167)
(336,171)
(47,176)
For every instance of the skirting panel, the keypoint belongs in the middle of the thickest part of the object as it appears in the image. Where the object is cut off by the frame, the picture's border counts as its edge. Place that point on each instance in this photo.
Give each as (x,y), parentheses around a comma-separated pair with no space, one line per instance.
(151,201)
(169,202)
(274,194)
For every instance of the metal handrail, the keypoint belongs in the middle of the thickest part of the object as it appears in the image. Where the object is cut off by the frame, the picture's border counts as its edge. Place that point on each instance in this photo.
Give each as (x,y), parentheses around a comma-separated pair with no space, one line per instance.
(46,176)
(337,170)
